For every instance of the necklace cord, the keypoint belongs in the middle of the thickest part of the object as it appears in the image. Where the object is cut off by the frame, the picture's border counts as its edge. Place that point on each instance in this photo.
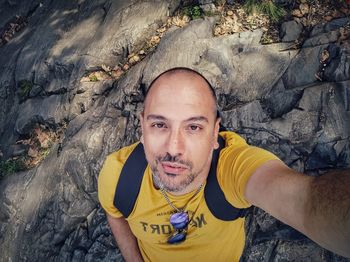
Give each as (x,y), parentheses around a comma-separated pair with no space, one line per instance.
(172,205)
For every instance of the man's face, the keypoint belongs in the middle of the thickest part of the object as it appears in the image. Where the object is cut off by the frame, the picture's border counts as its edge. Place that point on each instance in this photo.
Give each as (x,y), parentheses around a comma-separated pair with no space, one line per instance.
(179,130)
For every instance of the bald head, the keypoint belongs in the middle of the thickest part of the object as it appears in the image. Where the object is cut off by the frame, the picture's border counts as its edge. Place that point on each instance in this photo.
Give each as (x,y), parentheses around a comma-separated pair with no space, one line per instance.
(182,81)
(180,124)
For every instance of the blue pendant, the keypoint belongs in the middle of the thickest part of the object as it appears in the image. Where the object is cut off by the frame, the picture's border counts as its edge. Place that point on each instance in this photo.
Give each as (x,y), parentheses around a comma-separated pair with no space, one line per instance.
(179,220)
(177,237)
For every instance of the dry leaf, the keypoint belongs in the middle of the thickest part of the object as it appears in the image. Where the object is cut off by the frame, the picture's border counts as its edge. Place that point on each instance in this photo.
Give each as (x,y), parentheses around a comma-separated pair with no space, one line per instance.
(154,40)
(106,68)
(230,12)
(297,13)
(85,79)
(102,75)
(328,18)
(304,8)
(217,31)
(133,60)
(319,78)
(117,73)
(161,30)
(44,139)
(32,152)
(324,56)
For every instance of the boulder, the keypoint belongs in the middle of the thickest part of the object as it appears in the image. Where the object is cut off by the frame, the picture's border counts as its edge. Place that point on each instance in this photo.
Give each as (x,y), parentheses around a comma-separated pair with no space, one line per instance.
(269,96)
(290,31)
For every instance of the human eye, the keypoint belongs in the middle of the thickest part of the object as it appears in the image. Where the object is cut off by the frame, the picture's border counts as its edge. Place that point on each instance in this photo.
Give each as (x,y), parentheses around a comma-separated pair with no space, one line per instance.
(158,125)
(194,128)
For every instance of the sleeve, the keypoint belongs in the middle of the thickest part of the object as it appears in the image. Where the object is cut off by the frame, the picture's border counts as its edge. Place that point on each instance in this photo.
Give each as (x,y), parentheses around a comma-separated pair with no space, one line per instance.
(107,183)
(236,167)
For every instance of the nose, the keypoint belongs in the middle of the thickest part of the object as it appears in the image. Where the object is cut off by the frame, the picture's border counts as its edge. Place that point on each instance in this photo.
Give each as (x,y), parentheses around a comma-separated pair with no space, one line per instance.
(175,143)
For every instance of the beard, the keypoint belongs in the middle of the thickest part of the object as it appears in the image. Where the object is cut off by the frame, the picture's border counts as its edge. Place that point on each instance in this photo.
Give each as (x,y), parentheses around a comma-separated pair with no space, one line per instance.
(171,182)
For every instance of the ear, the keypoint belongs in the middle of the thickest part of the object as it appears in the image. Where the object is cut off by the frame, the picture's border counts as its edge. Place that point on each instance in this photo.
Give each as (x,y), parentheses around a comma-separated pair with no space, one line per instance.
(142,127)
(216,133)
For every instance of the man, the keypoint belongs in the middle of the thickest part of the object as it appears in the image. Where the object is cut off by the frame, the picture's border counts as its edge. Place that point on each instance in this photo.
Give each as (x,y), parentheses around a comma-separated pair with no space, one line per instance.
(172,219)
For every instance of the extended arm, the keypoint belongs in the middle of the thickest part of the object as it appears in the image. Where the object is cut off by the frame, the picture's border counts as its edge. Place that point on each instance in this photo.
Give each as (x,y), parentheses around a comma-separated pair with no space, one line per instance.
(125,239)
(319,207)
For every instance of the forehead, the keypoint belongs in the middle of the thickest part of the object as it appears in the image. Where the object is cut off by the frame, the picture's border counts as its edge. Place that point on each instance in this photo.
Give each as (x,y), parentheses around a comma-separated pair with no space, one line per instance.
(185,87)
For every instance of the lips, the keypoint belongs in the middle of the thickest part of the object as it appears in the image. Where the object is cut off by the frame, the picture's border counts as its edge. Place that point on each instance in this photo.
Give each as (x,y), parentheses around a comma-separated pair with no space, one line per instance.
(173,168)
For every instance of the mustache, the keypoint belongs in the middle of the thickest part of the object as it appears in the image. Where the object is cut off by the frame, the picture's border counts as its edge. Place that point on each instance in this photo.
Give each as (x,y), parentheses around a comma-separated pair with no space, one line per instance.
(174,159)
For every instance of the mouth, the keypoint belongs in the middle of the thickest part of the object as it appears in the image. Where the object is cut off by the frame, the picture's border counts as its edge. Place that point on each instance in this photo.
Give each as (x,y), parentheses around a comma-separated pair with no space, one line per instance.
(173,168)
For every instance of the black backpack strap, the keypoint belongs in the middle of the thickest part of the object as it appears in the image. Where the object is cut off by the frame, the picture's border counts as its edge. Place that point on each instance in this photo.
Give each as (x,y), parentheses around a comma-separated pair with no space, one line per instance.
(130,180)
(214,197)
(222,128)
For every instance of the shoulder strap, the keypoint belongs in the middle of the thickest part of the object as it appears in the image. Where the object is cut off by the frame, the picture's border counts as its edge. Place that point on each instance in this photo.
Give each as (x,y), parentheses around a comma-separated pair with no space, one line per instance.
(214,197)
(130,180)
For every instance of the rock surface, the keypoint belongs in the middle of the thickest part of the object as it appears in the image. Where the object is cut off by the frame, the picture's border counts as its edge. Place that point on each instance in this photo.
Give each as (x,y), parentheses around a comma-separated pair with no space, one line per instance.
(290,31)
(270,96)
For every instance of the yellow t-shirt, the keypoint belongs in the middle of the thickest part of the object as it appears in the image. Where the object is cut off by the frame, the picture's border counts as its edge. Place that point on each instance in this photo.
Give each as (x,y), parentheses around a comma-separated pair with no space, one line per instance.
(208,238)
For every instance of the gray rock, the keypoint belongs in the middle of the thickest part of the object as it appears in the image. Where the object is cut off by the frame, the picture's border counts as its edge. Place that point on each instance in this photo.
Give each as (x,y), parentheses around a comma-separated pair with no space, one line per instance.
(337,23)
(269,96)
(338,68)
(35,91)
(55,57)
(18,150)
(333,25)
(322,39)
(290,31)
(210,8)
(279,102)
(303,68)
(40,110)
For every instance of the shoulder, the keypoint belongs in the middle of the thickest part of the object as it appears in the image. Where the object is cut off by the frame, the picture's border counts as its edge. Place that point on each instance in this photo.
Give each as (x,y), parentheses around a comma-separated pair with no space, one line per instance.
(119,157)
(109,177)
(237,149)
(237,163)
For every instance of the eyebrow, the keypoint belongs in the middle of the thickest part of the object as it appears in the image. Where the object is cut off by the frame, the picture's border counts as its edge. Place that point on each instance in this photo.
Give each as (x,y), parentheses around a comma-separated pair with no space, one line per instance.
(155,117)
(191,119)
(197,119)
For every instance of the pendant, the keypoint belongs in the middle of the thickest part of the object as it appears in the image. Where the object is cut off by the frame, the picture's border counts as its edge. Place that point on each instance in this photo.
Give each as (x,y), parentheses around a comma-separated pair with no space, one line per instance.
(178,237)
(179,220)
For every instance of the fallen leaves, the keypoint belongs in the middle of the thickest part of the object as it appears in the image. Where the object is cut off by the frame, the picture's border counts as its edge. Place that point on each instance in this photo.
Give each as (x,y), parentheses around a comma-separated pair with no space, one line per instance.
(133,59)
(310,14)
(324,56)
(33,152)
(179,21)
(304,8)
(43,137)
(40,141)
(13,27)
(95,76)
(116,72)
(154,40)
(231,19)
(106,72)
(235,20)
(297,13)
